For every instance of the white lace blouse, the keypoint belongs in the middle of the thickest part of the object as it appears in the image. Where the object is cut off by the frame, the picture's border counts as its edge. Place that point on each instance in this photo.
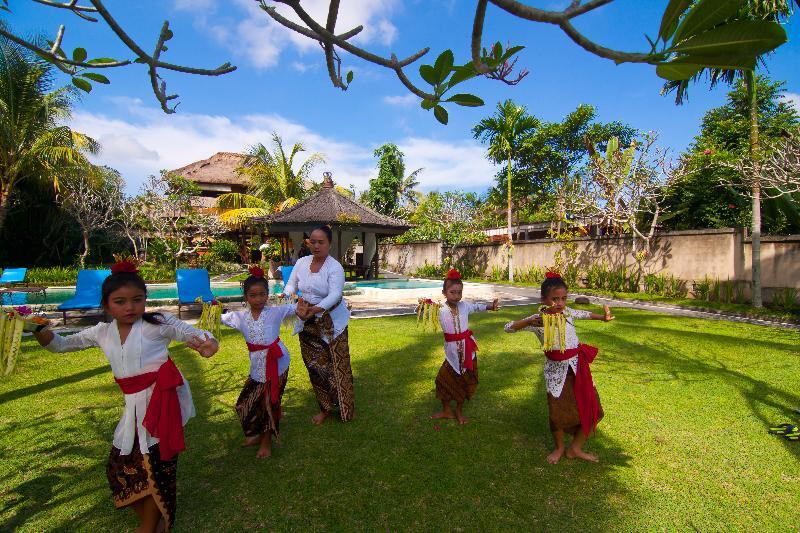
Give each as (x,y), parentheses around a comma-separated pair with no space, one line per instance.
(555,372)
(263,330)
(145,350)
(323,289)
(456,323)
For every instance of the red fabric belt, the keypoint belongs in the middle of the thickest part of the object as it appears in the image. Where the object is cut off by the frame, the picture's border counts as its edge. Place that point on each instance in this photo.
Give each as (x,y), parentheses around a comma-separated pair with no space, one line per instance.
(163,416)
(271,369)
(470,346)
(585,397)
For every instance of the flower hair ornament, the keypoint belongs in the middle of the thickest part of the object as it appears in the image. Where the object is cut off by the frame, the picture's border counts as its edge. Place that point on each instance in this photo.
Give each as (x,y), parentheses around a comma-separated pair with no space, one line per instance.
(453,274)
(256,271)
(125,264)
(552,274)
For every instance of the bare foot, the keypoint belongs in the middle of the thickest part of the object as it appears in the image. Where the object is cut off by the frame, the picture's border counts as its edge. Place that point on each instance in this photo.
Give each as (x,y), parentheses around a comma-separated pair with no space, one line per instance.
(251,441)
(461,418)
(443,414)
(555,456)
(580,454)
(265,450)
(320,417)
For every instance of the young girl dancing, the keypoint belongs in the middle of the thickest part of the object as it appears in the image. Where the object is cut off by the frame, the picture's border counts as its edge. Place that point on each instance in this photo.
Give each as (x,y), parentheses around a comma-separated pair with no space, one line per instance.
(572,398)
(458,376)
(142,466)
(259,404)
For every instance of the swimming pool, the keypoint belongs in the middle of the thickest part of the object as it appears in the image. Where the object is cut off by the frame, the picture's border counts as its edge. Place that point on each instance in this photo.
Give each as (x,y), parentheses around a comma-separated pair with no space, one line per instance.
(398,284)
(226,290)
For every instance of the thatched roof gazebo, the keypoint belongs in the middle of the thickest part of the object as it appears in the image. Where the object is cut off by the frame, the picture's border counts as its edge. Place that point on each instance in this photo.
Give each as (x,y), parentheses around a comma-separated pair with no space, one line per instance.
(347,218)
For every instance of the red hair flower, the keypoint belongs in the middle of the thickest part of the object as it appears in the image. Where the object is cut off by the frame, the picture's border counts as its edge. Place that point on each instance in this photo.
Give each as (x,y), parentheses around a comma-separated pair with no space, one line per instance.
(256,271)
(552,274)
(453,274)
(124,267)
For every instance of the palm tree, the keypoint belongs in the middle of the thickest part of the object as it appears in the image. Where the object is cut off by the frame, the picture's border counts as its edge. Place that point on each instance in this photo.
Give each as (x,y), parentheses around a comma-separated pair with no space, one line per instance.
(274,185)
(505,132)
(775,10)
(34,143)
(406,192)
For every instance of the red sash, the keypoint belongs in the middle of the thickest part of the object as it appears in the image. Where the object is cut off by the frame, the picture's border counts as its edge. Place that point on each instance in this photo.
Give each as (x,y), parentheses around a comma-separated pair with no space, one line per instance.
(470,346)
(585,397)
(163,416)
(274,353)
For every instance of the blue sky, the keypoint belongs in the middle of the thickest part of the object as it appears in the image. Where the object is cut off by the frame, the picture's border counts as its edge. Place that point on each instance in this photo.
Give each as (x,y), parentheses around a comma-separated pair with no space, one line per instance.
(281,84)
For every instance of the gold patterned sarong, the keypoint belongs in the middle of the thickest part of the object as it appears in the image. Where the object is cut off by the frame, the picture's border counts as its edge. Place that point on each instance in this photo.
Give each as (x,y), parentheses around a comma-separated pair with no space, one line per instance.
(328,365)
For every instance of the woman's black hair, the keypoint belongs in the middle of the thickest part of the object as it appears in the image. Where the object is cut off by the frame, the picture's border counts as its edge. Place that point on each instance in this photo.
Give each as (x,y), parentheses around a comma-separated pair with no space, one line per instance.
(251,281)
(324,229)
(115,282)
(552,283)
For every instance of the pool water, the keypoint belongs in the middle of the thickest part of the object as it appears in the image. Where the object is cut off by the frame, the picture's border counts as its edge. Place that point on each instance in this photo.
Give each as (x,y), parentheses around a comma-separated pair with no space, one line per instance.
(397,284)
(56,295)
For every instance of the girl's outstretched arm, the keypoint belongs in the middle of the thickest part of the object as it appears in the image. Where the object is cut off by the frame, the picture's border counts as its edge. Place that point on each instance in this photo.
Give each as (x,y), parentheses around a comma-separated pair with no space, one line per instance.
(605,317)
(532,321)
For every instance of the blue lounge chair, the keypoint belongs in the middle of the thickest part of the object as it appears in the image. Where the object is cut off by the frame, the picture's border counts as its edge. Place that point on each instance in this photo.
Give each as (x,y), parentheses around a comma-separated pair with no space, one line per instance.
(13,276)
(193,283)
(286,273)
(87,292)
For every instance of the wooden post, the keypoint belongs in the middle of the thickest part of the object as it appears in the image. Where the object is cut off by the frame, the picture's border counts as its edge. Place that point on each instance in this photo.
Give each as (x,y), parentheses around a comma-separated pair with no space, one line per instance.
(375,258)
(339,243)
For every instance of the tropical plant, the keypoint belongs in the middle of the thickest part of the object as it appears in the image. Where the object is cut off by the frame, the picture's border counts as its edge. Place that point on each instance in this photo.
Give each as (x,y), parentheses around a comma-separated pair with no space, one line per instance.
(273,182)
(699,33)
(505,131)
(34,142)
(392,188)
(93,200)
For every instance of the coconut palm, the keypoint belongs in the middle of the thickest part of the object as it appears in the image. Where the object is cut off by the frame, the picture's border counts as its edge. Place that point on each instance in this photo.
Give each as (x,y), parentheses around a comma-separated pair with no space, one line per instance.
(274,185)
(505,132)
(34,142)
(774,10)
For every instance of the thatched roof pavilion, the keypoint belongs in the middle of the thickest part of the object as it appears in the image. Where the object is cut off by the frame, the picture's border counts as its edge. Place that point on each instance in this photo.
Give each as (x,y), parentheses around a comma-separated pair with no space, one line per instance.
(347,218)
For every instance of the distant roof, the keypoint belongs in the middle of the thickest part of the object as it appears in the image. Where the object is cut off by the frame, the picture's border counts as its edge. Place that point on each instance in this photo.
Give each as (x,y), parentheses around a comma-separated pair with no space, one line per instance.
(220,168)
(328,206)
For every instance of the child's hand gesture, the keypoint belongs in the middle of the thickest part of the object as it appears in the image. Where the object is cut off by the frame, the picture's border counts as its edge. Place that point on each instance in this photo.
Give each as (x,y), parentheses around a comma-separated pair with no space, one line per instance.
(206,346)
(495,305)
(535,321)
(607,316)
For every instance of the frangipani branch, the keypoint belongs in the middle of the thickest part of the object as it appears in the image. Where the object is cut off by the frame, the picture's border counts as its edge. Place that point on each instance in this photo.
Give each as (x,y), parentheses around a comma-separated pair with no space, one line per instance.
(79,64)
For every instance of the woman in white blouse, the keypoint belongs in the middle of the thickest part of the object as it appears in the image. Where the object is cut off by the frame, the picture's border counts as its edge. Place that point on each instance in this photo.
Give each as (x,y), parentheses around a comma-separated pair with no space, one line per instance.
(322,325)
(142,465)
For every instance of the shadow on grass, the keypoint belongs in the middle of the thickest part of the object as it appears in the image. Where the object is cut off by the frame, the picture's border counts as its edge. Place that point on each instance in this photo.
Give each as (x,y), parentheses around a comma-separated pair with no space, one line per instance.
(679,361)
(12,395)
(392,467)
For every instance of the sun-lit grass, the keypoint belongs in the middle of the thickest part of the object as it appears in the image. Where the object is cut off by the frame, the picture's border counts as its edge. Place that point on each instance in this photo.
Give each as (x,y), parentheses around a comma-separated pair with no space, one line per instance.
(683,445)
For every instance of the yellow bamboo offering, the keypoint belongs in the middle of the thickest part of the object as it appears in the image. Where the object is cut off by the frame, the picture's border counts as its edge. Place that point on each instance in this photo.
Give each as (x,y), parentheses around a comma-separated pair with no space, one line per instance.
(11,326)
(211,318)
(554,324)
(428,314)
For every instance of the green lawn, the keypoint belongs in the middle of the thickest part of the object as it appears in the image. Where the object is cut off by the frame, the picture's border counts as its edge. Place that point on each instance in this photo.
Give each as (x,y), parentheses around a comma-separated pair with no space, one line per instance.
(683,445)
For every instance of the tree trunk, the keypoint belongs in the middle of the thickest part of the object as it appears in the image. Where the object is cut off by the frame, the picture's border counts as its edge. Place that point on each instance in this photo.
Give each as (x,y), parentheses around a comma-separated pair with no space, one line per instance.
(85,248)
(5,196)
(510,243)
(756,192)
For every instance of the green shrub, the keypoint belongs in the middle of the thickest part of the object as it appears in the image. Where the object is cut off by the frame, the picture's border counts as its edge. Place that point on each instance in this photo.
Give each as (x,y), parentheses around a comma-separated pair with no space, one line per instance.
(702,289)
(58,275)
(674,287)
(785,299)
(226,250)
(153,273)
(160,251)
(429,271)
(597,276)
(499,273)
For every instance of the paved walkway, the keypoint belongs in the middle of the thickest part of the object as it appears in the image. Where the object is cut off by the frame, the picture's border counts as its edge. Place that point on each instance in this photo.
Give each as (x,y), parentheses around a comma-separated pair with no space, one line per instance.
(516,295)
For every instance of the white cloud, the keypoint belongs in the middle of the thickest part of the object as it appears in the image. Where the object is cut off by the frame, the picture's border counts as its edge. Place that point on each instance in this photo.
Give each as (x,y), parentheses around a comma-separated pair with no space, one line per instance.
(151,141)
(792,99)
(251,33)
(405,100)
(303,67)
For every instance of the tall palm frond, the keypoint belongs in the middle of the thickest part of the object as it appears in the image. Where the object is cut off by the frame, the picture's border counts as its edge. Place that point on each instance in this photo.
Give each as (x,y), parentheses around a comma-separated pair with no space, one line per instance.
(234,209)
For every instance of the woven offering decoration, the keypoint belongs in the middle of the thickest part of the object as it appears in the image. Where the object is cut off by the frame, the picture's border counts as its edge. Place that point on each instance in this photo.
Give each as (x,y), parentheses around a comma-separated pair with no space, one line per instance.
(428,314)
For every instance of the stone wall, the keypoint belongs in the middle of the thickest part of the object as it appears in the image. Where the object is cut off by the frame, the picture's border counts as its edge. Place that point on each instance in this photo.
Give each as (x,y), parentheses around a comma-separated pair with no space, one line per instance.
(688,255)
